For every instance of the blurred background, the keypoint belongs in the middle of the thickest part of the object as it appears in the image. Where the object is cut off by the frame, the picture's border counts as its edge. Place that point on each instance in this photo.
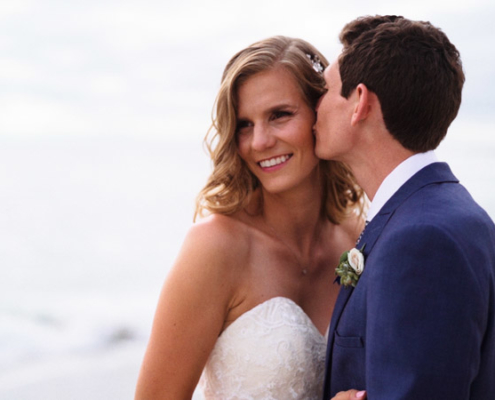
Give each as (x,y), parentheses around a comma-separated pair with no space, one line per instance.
(103,108)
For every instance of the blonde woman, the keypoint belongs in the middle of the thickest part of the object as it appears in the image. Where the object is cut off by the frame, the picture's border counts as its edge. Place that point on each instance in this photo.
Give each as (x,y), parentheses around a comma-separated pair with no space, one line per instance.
(246,306)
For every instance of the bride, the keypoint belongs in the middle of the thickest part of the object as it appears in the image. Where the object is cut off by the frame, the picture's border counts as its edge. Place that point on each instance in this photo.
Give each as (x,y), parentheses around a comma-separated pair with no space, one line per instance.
(245,308)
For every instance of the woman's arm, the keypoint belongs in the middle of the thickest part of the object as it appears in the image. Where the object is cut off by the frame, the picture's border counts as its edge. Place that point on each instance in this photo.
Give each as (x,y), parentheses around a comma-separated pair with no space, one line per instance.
(191,311)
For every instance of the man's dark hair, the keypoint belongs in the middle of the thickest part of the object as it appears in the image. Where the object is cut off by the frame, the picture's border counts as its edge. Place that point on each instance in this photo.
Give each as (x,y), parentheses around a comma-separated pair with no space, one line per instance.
(413,69)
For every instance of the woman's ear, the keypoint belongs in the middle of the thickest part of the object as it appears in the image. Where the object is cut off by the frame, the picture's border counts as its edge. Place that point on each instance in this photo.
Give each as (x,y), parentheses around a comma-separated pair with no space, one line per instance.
(362,106)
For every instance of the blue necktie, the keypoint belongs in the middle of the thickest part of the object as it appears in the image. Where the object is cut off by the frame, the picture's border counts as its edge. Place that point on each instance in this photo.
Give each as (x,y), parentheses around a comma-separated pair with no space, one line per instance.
(362,232)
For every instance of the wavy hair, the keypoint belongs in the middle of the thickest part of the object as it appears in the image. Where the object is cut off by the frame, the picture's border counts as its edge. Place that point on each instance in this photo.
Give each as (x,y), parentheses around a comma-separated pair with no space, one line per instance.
(231,184)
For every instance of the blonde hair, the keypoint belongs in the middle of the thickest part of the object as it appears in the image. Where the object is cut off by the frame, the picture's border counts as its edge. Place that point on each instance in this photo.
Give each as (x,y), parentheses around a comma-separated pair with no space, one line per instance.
(231,184)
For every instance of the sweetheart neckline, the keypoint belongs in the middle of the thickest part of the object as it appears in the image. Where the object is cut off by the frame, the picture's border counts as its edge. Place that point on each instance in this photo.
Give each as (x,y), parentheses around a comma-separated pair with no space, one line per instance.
(278,298)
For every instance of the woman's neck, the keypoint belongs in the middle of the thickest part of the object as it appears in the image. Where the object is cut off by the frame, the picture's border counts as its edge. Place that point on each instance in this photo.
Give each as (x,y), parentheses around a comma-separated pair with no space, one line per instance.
(295,217)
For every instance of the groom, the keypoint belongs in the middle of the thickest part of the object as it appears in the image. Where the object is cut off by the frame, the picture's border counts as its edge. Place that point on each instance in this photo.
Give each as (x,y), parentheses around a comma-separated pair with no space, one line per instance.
(420,322)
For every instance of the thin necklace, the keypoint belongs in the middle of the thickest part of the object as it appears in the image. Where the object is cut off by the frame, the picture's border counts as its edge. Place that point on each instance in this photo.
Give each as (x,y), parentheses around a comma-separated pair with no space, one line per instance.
(302,267)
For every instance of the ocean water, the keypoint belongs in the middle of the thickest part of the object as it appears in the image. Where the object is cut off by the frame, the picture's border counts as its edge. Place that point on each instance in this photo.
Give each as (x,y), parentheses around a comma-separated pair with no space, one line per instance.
(88,229)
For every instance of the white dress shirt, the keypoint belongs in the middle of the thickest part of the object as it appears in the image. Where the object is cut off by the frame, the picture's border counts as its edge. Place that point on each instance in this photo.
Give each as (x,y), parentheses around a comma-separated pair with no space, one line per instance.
(400,175)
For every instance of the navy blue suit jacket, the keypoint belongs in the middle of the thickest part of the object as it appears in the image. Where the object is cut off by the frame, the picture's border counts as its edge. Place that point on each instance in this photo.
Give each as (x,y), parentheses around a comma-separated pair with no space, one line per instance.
(420,324)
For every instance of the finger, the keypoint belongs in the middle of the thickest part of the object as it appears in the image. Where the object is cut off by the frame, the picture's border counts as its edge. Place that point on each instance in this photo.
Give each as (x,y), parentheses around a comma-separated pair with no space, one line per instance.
(361,395)
(351,394)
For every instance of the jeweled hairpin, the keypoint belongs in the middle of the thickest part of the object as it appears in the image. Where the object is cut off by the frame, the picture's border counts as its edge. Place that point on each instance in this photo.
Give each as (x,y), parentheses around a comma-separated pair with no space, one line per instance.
(315,60)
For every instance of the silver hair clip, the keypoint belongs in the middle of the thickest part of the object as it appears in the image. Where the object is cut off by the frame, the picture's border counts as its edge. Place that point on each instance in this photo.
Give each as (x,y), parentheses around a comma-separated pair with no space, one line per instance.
(315,60)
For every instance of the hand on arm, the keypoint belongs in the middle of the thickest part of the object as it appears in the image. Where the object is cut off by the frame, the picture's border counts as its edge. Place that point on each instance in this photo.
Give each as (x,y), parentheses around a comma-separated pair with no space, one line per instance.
(350,395)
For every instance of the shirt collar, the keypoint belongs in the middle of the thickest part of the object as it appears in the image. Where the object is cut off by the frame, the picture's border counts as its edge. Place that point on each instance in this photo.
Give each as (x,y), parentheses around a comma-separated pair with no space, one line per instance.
(400,175)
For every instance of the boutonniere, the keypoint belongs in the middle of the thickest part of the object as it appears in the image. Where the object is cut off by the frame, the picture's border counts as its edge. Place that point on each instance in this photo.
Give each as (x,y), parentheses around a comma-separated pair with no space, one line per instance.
(351,266)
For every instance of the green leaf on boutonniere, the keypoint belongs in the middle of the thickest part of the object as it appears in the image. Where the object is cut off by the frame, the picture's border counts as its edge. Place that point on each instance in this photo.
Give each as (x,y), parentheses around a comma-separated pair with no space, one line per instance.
(343,257)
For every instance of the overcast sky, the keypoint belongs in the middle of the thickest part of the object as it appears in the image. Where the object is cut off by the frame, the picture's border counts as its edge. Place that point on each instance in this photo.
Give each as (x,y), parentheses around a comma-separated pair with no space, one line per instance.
(145,67)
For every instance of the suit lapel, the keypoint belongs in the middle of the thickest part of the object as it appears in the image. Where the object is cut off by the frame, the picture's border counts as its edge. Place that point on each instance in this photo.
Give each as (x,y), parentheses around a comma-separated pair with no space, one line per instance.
(369,238)
(433,173)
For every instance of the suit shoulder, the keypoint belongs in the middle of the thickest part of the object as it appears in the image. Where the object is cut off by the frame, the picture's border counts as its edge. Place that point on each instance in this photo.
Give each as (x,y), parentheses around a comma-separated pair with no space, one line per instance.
(446,249)
(445,204)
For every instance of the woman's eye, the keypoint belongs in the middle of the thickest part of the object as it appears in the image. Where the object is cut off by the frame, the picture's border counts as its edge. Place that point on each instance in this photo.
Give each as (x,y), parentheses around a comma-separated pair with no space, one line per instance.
(242,126)
(281,114)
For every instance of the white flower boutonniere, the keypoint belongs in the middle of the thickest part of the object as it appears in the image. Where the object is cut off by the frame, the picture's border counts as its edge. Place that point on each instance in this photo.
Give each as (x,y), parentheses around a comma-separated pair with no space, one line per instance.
(351,266)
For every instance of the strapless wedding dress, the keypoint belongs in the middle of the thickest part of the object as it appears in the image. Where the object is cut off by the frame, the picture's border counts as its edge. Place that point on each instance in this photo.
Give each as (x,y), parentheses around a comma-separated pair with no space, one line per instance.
(271,352)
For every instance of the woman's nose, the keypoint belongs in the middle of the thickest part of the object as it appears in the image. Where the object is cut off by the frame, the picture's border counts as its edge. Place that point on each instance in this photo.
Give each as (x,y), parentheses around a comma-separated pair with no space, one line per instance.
(263,138)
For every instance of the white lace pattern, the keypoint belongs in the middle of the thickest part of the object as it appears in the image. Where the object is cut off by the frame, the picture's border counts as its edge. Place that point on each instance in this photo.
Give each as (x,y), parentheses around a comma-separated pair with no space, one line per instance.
(271,352)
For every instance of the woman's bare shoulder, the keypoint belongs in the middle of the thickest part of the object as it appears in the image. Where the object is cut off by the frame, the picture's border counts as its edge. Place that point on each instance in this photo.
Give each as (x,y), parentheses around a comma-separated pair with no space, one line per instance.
(218,223)
(217,242)
(219,231)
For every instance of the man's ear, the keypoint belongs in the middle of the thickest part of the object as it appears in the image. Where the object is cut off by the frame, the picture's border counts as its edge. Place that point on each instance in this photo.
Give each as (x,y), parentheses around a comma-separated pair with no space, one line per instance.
(362,106)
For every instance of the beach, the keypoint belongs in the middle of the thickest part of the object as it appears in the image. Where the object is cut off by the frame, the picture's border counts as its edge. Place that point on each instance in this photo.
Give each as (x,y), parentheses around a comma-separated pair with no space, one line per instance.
(88,231)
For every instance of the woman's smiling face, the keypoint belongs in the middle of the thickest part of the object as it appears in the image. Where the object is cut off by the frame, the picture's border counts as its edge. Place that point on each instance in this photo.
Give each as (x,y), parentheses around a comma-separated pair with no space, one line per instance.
(274,130)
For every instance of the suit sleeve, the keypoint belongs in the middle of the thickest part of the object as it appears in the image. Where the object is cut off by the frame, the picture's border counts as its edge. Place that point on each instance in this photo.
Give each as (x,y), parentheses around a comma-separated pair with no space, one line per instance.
(425,319)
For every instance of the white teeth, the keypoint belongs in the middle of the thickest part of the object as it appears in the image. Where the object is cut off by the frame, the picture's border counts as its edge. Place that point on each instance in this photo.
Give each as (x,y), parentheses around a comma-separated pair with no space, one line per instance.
(274,161)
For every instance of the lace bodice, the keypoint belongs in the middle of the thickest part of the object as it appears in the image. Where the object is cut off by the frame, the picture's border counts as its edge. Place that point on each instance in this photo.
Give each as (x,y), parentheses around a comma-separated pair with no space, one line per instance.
(271,352)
